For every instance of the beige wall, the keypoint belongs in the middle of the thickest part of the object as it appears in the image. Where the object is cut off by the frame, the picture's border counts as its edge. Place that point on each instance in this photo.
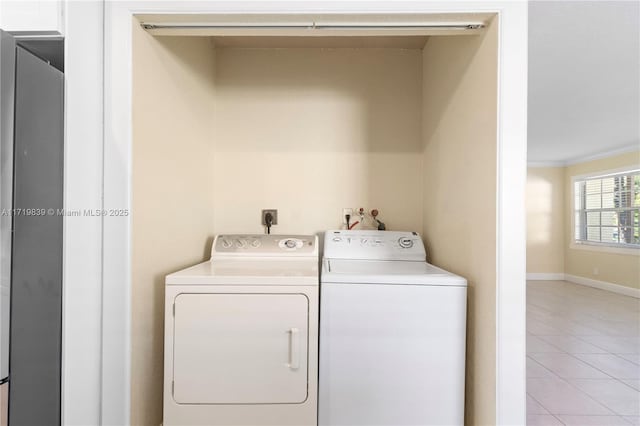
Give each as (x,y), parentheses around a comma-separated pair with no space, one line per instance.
(596,264)
(460,135)
(310,131)
(172,215)
(219,135)
(545,219)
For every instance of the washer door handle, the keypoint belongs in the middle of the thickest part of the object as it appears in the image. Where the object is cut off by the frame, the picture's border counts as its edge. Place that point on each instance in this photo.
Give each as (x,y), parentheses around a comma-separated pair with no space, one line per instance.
(294,348)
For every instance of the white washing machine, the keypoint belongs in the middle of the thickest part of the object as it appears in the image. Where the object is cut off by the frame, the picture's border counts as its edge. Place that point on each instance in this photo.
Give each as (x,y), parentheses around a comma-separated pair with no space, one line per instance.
(392,333)
(241,338)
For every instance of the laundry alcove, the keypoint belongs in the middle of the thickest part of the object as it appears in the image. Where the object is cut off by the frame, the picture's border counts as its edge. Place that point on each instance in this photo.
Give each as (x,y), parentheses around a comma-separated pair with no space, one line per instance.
(228,120)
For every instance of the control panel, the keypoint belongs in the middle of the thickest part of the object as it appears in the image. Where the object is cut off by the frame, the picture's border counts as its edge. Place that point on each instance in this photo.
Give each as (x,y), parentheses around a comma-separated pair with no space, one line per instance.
(373,245)
(259,245)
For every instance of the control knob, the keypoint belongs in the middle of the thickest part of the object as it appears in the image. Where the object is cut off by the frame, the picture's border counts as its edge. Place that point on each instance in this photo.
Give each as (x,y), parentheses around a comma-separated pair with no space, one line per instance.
(226,243)
(290,244)
(405,242)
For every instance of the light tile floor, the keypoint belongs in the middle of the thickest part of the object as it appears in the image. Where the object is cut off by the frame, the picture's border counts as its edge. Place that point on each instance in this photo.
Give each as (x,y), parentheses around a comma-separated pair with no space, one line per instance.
(583,356)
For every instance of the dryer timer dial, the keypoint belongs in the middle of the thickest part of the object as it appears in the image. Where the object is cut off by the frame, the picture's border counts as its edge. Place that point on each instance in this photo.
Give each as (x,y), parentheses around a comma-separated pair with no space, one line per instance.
(405,242)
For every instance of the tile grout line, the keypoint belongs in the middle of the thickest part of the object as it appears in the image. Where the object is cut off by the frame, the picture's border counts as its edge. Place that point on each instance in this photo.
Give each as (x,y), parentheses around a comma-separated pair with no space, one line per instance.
(612,377)
(549,343)
(543,366)
(592,366)
(558,419)
(532,397)
(593,344)
(582,361)
(618,379)
(623,358)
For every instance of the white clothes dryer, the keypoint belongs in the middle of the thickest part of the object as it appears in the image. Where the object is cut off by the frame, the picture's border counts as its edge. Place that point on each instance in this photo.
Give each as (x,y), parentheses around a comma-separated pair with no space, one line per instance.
(241,334)
(392,333)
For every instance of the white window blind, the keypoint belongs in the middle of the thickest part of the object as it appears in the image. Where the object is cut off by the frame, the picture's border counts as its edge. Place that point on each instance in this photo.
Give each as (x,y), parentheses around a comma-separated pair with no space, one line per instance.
(607,209)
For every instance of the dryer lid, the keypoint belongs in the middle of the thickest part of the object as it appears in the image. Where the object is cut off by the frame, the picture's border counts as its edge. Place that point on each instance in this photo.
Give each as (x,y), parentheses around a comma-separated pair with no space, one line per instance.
(387,272)
(299,271)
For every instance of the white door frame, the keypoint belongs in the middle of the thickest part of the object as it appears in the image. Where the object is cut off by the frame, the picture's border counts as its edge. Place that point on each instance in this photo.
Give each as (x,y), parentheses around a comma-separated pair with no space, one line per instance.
(83,249)
(114,292)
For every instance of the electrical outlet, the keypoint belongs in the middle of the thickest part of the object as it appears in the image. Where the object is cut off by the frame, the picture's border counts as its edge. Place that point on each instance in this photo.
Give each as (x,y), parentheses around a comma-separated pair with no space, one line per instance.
(274,216)
(345,212)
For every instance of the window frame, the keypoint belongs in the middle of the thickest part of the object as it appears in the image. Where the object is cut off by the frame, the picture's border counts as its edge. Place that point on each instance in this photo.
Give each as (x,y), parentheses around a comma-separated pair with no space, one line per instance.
(596,245)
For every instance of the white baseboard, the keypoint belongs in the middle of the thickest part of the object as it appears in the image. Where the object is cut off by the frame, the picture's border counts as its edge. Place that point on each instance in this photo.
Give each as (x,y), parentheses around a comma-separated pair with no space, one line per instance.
(603,285)
(545,276)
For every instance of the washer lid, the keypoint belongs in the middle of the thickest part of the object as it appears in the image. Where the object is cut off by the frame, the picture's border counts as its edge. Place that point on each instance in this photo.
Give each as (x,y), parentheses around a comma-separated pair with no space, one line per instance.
(387,272)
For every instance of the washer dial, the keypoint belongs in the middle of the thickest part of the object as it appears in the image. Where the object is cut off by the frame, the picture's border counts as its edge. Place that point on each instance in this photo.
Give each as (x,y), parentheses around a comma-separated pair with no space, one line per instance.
(290,244)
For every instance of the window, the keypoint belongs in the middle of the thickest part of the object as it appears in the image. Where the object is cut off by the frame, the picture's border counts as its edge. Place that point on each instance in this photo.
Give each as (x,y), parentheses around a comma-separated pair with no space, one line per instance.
(607,209)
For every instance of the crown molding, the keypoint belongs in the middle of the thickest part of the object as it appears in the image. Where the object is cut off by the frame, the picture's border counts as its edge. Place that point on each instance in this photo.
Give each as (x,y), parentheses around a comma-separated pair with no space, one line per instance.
(536,164)
(635,146)
(605,154)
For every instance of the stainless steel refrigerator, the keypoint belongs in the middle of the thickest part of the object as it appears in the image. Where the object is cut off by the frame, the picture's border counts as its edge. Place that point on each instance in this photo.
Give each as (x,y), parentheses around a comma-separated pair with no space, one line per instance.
(31,203)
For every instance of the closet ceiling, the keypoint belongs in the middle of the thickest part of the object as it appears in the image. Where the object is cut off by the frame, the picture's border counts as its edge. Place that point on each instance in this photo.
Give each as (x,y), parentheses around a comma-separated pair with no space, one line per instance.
(584,89)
